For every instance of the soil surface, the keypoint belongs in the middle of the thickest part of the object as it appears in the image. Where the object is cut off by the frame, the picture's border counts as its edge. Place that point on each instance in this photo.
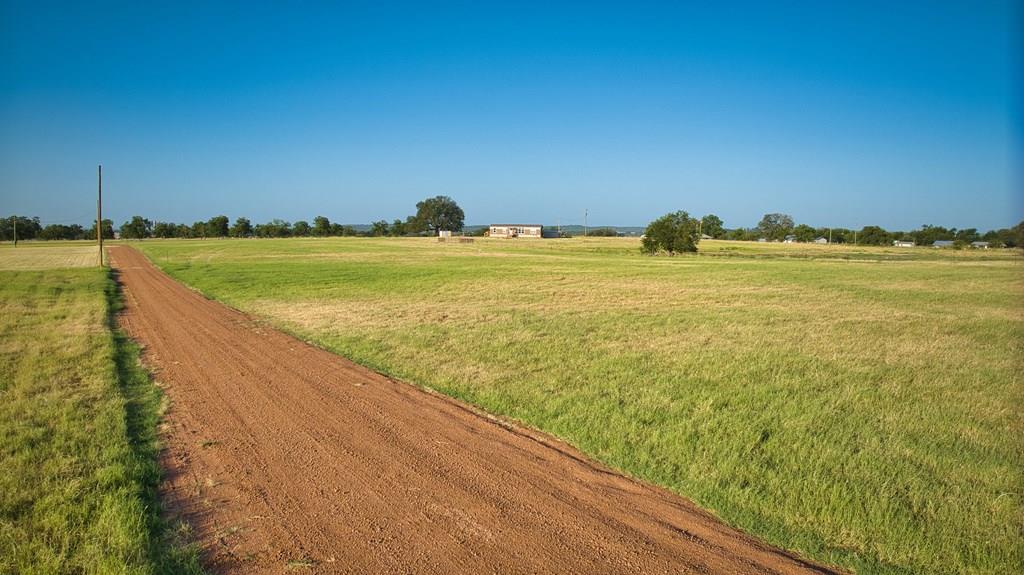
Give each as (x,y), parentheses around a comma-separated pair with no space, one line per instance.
(285,457)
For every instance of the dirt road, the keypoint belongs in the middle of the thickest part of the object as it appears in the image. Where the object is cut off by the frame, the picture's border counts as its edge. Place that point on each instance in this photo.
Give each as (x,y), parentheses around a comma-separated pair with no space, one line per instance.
(284,456)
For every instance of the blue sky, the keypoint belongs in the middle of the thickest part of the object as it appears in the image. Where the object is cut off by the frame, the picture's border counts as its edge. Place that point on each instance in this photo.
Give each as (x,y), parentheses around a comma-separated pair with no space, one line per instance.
(868,113)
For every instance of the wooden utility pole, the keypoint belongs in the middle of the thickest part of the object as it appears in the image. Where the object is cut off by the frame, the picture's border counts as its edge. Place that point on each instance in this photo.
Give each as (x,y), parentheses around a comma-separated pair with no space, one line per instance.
(15,218)
(99,210)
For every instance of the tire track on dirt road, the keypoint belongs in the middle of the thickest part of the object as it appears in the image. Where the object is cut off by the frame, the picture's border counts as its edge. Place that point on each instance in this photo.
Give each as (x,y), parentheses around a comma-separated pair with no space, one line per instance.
(282,455)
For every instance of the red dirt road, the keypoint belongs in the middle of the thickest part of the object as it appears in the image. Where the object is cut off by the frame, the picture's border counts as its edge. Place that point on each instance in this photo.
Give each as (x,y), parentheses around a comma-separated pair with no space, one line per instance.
(285,456)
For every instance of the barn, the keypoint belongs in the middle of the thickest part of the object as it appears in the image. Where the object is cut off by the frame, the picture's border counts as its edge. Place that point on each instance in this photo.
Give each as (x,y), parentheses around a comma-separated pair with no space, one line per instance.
(517,231)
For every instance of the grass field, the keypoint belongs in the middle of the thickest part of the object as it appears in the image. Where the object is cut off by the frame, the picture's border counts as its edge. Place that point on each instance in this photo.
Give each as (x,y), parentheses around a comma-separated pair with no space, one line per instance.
(859,405)
(78,468)
(47,255)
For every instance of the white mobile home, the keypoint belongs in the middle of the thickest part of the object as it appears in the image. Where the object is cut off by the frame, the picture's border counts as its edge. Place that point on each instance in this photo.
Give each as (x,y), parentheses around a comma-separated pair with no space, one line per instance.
(516,231)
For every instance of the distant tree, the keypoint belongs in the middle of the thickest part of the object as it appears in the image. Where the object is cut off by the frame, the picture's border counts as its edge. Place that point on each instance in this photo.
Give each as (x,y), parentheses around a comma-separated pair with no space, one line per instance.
(164,230)
(414,226)
(874,236)
(675,232)
(90,234)
(379,228)
(928,235)
(343,230)
(28,228)
(182,231)
(273,229)
(397,228)
(967,235)
(321,226)
(301,229)
(217,227)
(61,232)
(993,237)
(242,228)
(712,226)
(439,213)
(805,233)
(842,236)
(199,230)
(775,227)
(603,232)
(136,229)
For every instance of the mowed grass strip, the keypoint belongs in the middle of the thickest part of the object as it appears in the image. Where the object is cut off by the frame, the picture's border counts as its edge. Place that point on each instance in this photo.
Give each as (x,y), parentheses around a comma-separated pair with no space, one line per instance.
(48,255)
(78,450)
(858,405)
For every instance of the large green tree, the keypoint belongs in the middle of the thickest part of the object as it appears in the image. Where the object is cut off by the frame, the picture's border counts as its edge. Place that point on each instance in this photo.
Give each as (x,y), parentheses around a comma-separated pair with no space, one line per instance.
(671,233)
(28,228)
(217,227)
(775,227)
(107,228)
(241,229)
(874,236)
(439,213)
(712,225)
(379,228)
(300,229)
(164,230)
(137,228)
(321,226)
(805,233)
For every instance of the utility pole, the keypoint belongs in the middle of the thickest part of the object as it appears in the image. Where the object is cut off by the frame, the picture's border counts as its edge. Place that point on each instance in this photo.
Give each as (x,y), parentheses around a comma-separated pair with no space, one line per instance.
(830,236)
(854,237)
(585,228)
(15,218)
(99,210)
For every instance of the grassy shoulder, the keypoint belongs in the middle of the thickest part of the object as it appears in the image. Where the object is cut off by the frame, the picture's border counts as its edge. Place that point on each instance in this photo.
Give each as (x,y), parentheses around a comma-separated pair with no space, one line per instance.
(78,445)
(858,405)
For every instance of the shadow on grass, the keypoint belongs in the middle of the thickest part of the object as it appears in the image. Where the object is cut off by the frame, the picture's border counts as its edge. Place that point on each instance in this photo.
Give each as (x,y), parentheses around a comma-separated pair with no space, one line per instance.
(170,551)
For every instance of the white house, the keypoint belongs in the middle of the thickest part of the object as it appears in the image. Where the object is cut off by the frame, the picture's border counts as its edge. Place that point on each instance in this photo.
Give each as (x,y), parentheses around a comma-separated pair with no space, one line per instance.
(516,231)
(980,245)
(821,240)
(902,244)
(943,244)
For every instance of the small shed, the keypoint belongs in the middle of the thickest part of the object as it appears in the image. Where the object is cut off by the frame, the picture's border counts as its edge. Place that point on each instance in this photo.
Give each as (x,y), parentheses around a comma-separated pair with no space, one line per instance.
(903,244)
(821,240)
(980,245)
(943,244)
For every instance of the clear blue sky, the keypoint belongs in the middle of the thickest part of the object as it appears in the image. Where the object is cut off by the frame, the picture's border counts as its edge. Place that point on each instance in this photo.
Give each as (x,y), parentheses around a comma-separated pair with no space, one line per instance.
(886,113)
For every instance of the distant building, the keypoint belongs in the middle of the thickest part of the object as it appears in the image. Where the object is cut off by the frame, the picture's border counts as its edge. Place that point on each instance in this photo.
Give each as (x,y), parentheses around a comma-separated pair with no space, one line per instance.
(444,233)
(702,236)
(516,231)
(943,244)
(980,245)
(821,240)
(903,244)
(790,239)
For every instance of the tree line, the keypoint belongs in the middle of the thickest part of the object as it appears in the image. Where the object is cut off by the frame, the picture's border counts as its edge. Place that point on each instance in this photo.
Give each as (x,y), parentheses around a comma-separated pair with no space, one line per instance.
(679,232)
(443,213)
(432,214)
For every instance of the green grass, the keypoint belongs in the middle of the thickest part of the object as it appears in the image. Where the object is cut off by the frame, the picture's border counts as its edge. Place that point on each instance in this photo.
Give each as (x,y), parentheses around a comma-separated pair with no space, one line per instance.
(78,446)
(857,405)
